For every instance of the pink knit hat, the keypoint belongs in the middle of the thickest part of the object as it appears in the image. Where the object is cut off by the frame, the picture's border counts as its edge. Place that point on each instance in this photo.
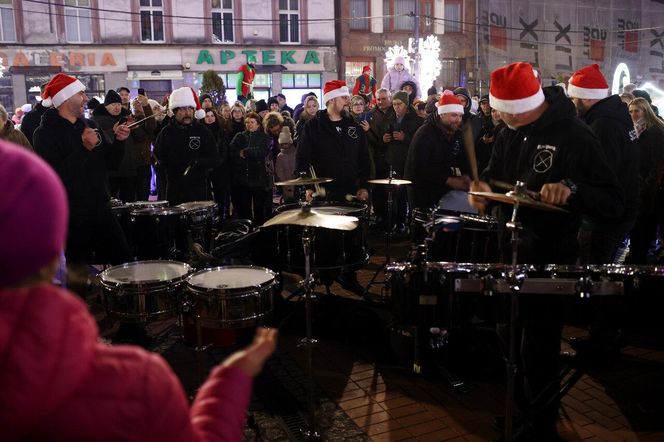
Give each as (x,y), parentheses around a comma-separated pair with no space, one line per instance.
(33,214)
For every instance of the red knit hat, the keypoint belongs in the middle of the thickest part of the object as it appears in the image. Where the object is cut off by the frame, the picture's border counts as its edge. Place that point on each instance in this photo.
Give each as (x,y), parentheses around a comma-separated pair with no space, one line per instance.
(186,97)
(449,103)
(366,69)
(334,89)
(60,89)
(588,82)
(515,89)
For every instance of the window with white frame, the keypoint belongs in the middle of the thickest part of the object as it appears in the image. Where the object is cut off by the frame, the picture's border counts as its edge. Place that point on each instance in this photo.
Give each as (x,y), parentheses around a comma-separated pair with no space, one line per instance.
(152,20)
(289,21)
(222,21)
(78,21)
(7,27)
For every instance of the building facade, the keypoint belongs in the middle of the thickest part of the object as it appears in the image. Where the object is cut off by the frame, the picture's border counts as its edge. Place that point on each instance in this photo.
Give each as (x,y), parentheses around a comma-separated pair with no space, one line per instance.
(160,45)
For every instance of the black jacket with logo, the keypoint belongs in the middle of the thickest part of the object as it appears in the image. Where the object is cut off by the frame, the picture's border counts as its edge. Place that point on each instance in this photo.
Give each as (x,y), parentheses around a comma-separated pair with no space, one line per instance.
(338,154)
(558,146)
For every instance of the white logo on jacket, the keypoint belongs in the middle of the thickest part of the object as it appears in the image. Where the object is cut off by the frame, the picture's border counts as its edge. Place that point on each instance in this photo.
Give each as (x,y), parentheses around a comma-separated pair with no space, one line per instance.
(543,161)
(352,132)
(194,143)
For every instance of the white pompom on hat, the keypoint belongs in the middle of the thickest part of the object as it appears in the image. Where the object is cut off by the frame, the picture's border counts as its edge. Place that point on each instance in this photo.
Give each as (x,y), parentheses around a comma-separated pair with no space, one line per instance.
(61,88)
(186,97)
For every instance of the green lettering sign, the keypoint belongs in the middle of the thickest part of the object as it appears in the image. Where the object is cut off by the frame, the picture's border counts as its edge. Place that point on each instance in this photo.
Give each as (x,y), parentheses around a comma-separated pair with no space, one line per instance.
(226,55)
(312,57)
(268,57)
(204,56)
(251,55)
(287,57)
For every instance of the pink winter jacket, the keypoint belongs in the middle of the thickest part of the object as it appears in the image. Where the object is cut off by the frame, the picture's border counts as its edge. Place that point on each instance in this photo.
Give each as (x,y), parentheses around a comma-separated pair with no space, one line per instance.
(58,383)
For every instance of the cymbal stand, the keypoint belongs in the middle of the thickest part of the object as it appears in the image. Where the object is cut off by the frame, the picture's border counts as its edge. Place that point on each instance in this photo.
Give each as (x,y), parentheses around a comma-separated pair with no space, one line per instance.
(514,281)
(388,239)
(309,342)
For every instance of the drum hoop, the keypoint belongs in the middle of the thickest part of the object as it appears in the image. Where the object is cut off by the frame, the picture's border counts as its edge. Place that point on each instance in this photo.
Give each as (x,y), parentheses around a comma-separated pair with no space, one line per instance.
(134,285)
(158,211)
(206,290)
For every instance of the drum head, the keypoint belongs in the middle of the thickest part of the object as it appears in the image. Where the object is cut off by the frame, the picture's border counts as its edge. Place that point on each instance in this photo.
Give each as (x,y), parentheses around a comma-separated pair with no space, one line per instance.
(197,205)
(230,278)
(148,204)
(145,273)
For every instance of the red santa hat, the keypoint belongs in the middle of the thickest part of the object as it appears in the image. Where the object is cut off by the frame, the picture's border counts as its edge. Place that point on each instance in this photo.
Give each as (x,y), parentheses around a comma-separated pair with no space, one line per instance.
(515,89)
(588,82)
(186,97)
(61,88)
(334,89)
(449,103)
(366,69)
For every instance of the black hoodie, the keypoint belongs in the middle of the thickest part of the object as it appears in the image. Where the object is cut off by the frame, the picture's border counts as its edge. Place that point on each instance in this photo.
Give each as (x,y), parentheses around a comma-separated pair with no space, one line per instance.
(558,146)
(31,121)
(610,121)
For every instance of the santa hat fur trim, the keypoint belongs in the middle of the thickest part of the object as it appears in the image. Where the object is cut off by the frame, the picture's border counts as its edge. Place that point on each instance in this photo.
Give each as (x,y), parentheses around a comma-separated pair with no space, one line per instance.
(588,83)
(61,88)
(449,104)
(515,89)
(334,89)
(186,97)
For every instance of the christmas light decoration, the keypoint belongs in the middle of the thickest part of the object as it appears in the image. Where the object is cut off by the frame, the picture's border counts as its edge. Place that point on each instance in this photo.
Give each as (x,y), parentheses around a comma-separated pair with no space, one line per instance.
(430,64)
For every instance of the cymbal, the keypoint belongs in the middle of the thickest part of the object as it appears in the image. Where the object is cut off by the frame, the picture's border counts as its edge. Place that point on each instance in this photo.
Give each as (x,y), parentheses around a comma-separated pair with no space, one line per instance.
(312,218)
(306,181)
(390,181)
(523,200)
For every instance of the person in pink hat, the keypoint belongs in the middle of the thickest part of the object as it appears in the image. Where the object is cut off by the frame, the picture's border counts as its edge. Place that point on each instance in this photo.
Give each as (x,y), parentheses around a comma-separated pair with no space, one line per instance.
(609,120)
(556,155)
(82,156)
(58,382)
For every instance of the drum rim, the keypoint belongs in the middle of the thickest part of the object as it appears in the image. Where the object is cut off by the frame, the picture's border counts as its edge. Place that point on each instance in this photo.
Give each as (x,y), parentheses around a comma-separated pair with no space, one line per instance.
(314,204)
(205,290)
(148,283)
(204,205)
(158,211)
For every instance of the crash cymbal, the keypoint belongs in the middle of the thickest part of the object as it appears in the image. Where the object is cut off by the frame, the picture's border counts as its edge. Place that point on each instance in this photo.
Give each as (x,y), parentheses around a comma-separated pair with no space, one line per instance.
(390,182)
(523,200)
(306,181)
(312,218)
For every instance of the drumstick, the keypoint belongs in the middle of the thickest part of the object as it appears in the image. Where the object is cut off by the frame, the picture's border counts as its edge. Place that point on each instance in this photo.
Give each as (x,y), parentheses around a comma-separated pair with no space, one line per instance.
(140,121)
(469,143)
(319,190)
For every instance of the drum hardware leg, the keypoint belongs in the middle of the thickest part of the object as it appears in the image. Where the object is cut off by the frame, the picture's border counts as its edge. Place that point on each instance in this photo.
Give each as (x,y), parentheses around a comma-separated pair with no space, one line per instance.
(309,342)
(200,349)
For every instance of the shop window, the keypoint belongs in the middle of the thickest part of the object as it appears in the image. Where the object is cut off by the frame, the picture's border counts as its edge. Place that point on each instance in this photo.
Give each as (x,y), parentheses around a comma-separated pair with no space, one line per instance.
(359,8)
(7,92)
(152,20)
(289,21)
(354,70)
(449,73)
(94,84)
(222,21)
(453,16)
(262,85)
(7,26)
(78,21)
(294,85)
(397,15)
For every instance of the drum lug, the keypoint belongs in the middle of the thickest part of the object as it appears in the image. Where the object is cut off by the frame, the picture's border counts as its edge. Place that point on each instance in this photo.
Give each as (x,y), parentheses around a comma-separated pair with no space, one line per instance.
(488,285)
(584,287)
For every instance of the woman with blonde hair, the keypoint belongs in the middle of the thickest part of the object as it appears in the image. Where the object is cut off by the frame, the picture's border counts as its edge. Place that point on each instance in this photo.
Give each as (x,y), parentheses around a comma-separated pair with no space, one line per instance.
(9,133)
(650,132)
(309,109)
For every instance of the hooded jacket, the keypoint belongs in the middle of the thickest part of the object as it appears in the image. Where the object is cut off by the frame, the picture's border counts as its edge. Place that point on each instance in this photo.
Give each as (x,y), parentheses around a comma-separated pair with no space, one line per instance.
(31,121)
(249,171)
(82,171)
(338,154)
(393,80)
(433,157)
(475,121)
(557,146)
(62,384)
(610,122)
(106,121)
(397,151)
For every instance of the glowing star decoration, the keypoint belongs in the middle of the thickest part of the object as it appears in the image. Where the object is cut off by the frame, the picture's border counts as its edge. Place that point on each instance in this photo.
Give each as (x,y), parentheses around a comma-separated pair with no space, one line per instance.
(2,67)
(430,65)
(395,51)
(620,78)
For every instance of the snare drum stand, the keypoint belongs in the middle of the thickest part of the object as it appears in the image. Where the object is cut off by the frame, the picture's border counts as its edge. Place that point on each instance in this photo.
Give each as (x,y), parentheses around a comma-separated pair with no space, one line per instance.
(309,342)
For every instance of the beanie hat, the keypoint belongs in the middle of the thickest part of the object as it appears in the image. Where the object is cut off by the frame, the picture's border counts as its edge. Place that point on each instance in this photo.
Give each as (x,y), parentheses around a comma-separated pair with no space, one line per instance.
(154,103)
(399,60)
(449,103)
(112,97)
(272,100)
(27,107)
(640,93)
(432,90)
(61,88)
(285,136)
(463,91)
(588,83)
(366,69)
(33,214)
(484,98)
(334,89)
(515,89)
(186,97)
(402,96)
(261,106)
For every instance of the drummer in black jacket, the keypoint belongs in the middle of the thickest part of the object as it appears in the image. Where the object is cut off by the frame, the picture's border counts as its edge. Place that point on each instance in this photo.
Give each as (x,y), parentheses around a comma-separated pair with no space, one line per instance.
(186,149)
(609,120)
(555,154)
(81,155)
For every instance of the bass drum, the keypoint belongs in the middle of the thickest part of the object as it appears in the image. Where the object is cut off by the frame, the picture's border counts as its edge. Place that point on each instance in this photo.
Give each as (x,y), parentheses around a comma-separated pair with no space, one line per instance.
(144,290)
(330,249)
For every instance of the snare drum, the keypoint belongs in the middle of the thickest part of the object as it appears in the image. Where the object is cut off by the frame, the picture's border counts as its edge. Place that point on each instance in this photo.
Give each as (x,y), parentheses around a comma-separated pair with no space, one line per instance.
(330,249)
(159,233)
(231,297)
(144,290)
(202,217)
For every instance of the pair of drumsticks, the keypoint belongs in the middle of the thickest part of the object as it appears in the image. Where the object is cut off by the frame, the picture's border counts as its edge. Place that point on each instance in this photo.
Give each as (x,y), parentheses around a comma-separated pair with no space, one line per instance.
(320,191)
